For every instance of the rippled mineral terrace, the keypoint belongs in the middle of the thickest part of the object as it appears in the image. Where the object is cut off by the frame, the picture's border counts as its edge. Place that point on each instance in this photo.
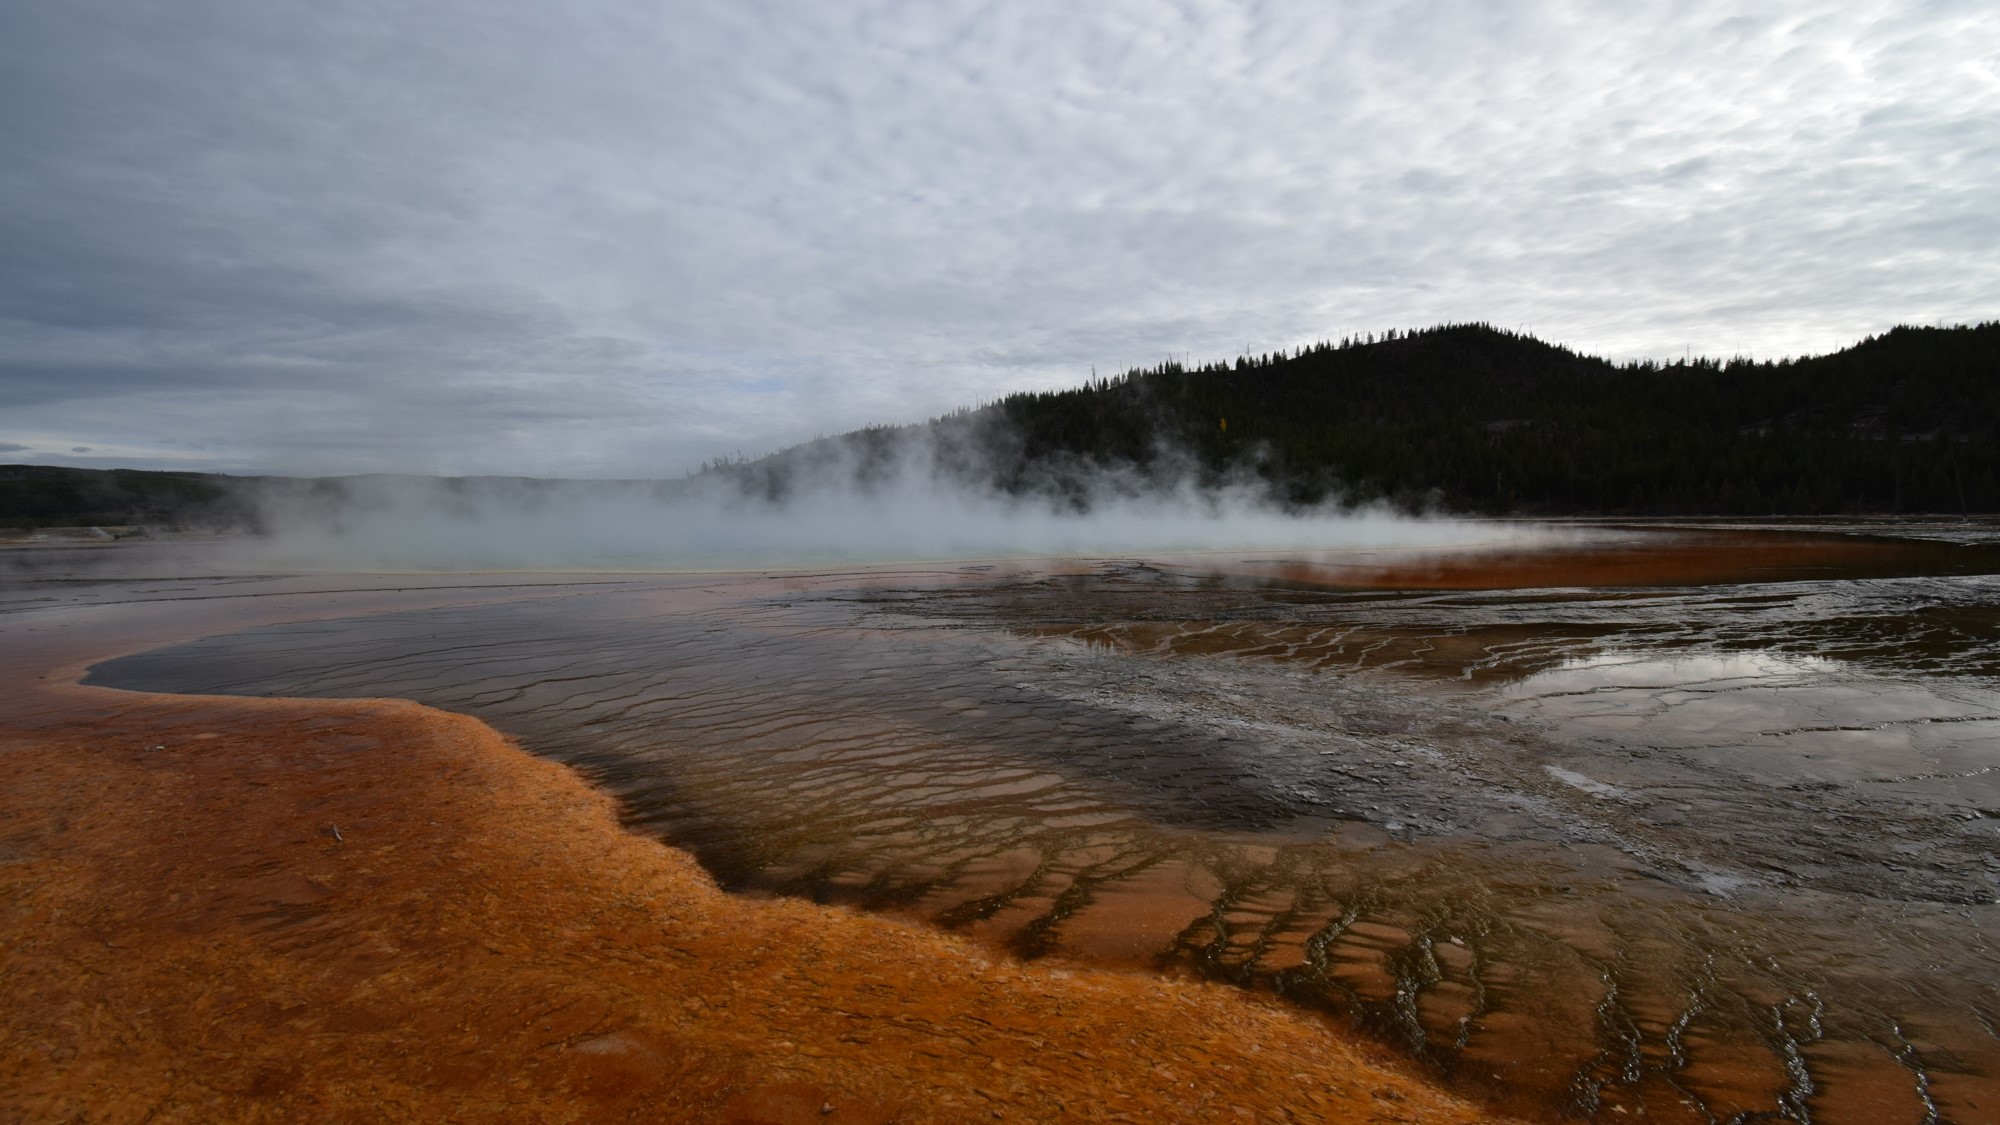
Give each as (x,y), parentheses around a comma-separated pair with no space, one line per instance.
(1699,824)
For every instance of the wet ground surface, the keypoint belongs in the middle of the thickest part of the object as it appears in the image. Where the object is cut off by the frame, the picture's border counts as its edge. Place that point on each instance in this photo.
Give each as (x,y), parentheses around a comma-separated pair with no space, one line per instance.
(1703,826)
(222,910)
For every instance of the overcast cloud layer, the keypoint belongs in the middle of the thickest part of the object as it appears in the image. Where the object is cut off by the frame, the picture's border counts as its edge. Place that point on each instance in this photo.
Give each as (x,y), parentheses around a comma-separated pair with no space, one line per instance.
(607,238)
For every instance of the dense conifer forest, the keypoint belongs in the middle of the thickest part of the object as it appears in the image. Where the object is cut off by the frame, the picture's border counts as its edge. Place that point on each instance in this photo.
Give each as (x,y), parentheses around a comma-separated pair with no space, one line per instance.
(49,496)
(1458,418)
(1471,418)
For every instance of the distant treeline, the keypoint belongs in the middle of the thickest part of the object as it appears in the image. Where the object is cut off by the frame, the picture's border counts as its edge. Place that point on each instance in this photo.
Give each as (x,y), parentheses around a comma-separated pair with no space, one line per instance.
(1461,417)
(1472,418)
(34,496)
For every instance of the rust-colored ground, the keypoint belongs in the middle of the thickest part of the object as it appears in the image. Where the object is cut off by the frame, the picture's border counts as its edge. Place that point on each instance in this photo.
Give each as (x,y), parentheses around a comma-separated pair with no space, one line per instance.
(1675,558)
(184,937)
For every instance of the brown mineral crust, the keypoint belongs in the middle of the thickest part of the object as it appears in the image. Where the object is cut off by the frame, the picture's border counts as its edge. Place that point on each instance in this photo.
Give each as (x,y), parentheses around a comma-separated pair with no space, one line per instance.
(1681,558)
(227,909)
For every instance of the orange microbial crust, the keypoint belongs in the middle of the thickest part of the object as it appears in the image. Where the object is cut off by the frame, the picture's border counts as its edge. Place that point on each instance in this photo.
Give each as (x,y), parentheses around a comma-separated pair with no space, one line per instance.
(235,909)
(1662,558)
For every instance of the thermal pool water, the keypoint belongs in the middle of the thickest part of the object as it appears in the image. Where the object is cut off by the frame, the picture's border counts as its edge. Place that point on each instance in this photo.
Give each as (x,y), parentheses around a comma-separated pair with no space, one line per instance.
(1699,824)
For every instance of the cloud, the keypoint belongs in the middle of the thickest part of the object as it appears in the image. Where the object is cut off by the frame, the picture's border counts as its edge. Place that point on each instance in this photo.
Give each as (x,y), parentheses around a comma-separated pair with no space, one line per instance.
(12,447)
(617,238)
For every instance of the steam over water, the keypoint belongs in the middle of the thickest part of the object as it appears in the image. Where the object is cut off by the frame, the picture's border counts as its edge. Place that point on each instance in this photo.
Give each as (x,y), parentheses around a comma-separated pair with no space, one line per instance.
(837,512)
(1704,825)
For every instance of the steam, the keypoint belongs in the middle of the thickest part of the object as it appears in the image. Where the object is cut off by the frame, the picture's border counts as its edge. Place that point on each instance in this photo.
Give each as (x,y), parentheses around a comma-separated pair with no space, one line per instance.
(833,504)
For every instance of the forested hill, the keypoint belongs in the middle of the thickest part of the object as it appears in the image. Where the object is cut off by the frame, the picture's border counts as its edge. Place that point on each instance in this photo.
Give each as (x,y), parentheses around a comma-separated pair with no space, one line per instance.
(1459,418)
(53,496)
(1476,419)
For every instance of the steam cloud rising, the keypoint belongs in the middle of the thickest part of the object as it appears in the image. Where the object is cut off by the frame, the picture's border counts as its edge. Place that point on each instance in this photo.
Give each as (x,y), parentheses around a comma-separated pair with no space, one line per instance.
(829,508)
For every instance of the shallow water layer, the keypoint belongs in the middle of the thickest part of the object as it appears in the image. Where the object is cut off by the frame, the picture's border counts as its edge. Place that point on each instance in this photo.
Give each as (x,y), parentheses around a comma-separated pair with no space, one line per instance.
(1699,825)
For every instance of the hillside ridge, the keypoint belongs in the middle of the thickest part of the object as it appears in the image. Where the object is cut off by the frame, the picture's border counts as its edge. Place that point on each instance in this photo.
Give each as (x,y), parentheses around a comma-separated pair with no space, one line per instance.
(1464,418)
(1473,418)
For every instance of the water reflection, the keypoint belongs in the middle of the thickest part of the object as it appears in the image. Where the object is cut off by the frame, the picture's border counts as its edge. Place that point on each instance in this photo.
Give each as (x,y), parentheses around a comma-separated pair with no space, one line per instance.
(1706,671)
(1775,719)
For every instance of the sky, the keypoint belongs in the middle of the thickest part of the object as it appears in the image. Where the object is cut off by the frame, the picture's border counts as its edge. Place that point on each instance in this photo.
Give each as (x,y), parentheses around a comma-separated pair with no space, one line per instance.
(604,238)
